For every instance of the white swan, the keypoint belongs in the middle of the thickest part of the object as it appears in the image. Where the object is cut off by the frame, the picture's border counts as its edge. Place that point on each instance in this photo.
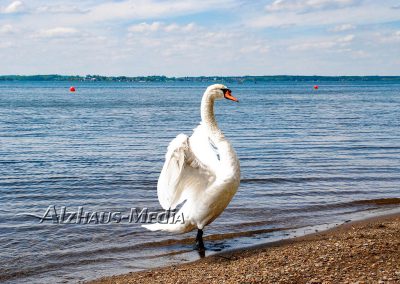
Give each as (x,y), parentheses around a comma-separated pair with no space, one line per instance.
(201,170)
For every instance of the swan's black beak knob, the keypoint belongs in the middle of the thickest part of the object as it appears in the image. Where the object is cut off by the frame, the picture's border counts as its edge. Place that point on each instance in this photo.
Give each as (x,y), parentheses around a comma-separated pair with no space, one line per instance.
(228,95)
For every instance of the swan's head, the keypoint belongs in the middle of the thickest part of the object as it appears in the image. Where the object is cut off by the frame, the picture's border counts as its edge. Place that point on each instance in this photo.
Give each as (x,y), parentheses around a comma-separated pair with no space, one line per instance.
(219,91)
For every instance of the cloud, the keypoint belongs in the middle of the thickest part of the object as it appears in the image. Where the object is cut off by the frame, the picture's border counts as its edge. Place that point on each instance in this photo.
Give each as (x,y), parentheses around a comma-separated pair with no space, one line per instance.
(307,5)
(5,29)
(255,48)
(342,28)
(145,27)
(392,37)
(146,9)
(368,12)
(6,44)
(181,28)
(13,7)
(172,43)
(57,32)
(159,26)
(60,9)
(361,54)
(311,46)
(322,44)
(347,38)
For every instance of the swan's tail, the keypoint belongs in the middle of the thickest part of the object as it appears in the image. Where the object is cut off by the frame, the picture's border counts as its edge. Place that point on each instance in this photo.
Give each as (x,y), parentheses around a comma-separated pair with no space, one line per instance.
(172,228)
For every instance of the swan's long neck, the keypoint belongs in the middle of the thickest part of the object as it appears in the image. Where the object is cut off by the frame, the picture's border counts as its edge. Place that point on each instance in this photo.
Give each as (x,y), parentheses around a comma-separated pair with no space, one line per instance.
(208,117)
(230,169)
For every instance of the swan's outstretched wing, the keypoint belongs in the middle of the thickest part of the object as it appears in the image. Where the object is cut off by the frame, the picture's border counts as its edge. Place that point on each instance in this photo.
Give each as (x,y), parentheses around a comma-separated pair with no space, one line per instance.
(183,175)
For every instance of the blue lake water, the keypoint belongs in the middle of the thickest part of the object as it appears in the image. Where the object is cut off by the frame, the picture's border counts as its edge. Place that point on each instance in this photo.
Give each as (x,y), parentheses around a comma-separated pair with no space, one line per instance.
(306,158)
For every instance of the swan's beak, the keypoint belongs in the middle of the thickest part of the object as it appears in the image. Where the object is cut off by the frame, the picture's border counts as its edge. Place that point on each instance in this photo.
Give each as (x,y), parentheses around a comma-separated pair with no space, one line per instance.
(228,95)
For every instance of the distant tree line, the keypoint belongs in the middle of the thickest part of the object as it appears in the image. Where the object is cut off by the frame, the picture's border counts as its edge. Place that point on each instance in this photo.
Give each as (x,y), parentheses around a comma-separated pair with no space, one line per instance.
(238,79)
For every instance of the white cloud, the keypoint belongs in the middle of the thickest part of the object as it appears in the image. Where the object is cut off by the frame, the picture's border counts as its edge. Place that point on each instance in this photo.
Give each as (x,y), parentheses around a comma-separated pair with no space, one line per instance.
(307,5)
(13,7)
(145,27)
(5,29)
(180,28)
(392,37)
(311,45)
(323,44)
(361,54)
(347,38)
(173,42)
(5,44)
(172,27)
(255,48)
(368,13)
(145,9)
(159,26)
(342,28)
(57,32)
(59,9)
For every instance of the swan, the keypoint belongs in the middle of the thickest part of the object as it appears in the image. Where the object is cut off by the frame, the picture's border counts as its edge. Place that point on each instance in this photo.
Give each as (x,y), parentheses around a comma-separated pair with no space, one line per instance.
(202,172)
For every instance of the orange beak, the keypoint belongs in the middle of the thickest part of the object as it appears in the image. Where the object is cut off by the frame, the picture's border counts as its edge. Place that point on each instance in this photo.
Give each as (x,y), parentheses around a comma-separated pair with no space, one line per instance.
(228,95)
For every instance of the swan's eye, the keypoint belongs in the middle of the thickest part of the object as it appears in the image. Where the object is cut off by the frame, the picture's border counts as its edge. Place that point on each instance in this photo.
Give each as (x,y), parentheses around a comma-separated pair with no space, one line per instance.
(225,91)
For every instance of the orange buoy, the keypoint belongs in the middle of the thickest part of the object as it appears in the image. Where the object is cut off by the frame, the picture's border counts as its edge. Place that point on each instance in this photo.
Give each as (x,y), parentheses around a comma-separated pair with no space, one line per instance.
(316,87)
(72,89)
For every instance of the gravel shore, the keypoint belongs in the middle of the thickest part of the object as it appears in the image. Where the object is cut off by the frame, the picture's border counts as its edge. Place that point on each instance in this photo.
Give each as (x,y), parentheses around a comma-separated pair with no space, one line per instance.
(358,252)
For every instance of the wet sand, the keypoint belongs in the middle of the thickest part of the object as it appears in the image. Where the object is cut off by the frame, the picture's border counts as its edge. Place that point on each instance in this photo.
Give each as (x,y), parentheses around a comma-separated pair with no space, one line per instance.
(366,251)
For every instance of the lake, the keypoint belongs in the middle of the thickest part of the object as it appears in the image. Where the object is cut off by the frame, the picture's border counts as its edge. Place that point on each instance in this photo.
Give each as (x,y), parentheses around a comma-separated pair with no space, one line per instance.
(309,160)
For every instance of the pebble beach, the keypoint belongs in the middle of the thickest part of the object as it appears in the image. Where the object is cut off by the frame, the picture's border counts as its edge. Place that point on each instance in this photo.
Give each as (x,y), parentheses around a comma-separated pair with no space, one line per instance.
(365,251)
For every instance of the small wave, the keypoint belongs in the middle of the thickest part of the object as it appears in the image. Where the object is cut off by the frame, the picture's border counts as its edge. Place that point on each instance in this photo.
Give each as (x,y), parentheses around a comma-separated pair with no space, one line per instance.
(379,201)
(70,182)
(6,274)
(157,244)
(340,205)
(315,179)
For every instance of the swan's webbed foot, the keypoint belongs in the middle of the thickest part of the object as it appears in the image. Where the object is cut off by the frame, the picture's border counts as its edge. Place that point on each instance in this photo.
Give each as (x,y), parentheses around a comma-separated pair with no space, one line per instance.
(199,242)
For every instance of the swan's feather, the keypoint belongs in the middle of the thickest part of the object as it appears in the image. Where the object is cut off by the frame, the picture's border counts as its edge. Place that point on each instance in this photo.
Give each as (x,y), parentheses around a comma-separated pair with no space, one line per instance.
(183,175)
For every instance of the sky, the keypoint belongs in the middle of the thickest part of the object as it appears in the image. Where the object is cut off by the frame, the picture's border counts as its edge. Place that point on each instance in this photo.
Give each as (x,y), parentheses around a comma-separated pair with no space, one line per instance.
(193,38)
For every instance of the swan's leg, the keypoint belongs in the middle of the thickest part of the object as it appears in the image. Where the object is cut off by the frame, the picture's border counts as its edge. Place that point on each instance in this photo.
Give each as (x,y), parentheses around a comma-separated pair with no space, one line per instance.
(199,241)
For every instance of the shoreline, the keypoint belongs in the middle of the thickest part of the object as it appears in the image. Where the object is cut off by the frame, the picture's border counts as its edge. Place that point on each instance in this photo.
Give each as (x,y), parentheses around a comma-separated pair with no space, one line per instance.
(366,251)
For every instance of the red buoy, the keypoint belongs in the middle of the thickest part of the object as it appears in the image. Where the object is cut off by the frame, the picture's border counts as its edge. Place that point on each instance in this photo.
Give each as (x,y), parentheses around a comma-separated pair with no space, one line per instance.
(72,89)
(316,87)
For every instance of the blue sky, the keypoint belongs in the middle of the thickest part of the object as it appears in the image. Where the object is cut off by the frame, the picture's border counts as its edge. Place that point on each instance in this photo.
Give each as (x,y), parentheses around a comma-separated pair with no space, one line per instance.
(208,37)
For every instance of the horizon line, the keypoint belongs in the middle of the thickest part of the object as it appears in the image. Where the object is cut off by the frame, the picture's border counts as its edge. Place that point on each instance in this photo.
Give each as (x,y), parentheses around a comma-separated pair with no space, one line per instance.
(194,76)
